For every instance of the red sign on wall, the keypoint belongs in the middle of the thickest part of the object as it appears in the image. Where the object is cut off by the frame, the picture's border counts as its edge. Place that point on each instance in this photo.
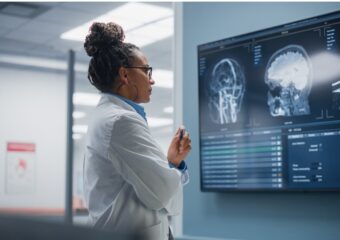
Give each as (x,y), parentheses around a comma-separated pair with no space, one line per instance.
(20,147)
(20,170)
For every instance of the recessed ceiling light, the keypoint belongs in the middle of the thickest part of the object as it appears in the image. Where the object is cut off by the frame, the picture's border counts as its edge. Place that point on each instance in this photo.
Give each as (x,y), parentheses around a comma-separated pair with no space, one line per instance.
(87,99)
(78,115)
(168,109)
(159,122)
(79,128)
(163,78)
(40,62)
(143,23)
(76,136)
(151,33)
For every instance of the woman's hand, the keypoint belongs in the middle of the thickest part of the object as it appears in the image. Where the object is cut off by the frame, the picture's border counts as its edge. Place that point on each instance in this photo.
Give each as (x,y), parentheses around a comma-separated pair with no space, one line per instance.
(179,148)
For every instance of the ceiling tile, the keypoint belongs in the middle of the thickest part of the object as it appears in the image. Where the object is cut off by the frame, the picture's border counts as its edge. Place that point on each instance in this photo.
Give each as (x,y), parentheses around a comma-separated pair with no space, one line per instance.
(15,45)
(10,22)
(29,36)
(162,4)
(48,52)
(44,27)
(65,45)
(49,4)
(91,7)
(68,17)
(4,30)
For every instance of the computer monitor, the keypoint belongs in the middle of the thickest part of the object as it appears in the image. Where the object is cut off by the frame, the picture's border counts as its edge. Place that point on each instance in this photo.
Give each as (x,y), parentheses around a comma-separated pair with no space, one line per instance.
(269,109)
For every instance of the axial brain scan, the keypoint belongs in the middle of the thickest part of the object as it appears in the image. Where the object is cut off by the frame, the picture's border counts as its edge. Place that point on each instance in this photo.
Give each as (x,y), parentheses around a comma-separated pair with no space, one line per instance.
(288,76)
(226,90)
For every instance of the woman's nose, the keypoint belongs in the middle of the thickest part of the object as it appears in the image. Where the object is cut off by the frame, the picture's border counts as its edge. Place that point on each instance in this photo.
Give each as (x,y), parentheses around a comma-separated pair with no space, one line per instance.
(152,82)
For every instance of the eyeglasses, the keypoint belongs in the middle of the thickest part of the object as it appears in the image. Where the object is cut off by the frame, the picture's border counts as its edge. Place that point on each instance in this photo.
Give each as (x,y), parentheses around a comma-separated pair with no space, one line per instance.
(148,70)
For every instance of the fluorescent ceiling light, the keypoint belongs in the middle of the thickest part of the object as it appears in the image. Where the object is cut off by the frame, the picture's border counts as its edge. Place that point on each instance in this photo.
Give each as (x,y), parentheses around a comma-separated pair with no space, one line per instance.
(33,61)
(163,78)
(143,23)
(40,62)
(168,109)
(87,99)
(336,83)
(76,136)
(151,33)
(79,128)
(78,115)
(159,122)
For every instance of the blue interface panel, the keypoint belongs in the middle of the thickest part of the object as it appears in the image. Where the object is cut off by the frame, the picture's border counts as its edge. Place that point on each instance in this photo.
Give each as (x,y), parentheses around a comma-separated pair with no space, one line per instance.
(269,109)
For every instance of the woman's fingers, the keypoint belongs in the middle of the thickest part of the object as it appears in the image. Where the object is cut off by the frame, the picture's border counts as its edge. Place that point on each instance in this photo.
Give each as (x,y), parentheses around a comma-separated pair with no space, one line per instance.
(185,150)
(185,139)
(185,143)
(176,139)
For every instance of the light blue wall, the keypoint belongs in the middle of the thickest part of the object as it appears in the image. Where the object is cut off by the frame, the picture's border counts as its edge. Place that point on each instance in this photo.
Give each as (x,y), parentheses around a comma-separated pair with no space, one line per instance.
(246,215)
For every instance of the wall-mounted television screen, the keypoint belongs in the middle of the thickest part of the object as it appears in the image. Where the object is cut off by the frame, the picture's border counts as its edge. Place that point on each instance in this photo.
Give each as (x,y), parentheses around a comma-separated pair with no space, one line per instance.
(269,109)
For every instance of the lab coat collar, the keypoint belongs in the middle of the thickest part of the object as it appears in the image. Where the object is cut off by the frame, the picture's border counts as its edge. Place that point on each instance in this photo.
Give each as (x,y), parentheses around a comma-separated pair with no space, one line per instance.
(126,103)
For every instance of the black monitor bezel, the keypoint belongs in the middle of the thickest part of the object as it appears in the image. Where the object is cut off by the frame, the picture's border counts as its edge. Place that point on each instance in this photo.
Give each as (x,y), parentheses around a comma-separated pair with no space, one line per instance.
(244,37)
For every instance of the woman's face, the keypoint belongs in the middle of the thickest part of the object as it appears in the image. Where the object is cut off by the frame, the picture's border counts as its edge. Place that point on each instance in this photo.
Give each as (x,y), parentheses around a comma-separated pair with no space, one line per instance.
(139,78)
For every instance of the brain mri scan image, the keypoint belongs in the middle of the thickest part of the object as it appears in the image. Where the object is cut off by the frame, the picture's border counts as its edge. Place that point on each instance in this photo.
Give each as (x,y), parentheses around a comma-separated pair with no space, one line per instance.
(226,90)
(288,75)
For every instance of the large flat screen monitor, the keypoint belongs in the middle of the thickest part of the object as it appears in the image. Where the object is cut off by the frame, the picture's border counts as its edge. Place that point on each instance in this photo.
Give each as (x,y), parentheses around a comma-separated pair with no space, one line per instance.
(269,109)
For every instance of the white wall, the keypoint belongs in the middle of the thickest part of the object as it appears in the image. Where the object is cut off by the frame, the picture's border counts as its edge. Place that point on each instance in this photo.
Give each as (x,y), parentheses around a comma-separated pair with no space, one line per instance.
(33,109)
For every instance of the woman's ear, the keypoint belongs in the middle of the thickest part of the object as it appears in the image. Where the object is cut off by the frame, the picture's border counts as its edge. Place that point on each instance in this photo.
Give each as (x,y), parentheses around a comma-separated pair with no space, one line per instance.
(123,75)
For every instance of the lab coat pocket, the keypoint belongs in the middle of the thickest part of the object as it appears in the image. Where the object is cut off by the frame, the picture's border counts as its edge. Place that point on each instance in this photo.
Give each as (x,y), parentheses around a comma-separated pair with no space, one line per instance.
(153,232)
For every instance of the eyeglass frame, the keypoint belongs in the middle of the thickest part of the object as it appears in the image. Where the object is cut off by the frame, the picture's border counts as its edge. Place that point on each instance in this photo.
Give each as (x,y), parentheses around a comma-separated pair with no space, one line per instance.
(148,68)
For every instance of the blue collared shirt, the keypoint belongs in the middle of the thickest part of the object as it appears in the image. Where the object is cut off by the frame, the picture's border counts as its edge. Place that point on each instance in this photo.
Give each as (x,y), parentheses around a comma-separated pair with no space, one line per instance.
(139,109)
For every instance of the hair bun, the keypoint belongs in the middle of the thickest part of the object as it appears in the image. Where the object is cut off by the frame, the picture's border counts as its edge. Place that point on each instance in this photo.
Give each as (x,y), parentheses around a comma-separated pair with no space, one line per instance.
(103,35)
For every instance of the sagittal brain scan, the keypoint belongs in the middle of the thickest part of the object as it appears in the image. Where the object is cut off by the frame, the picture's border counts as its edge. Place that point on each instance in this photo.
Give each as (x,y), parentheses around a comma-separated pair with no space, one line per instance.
(226,91)
(288,76)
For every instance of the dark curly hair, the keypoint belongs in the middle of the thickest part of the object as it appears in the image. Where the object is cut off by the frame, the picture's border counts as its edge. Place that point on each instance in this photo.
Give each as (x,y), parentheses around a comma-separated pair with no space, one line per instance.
(104,44)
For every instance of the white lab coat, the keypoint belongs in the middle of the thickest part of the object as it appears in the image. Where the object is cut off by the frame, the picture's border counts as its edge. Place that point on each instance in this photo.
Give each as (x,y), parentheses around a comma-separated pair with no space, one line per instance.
(128,184)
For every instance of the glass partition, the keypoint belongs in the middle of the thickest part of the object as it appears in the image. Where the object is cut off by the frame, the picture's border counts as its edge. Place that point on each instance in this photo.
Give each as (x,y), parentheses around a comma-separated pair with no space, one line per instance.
(33,133)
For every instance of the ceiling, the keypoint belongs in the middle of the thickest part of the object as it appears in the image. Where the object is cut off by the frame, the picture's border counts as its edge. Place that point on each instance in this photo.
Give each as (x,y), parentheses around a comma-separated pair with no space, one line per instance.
(38,33)
(34,29)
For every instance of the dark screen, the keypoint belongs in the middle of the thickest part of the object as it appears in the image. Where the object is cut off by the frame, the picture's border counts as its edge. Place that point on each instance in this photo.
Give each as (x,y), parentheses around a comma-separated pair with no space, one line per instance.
(269,106)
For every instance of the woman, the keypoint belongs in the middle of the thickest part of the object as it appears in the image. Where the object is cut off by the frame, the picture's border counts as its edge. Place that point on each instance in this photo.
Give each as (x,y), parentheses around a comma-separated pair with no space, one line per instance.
(129,184)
